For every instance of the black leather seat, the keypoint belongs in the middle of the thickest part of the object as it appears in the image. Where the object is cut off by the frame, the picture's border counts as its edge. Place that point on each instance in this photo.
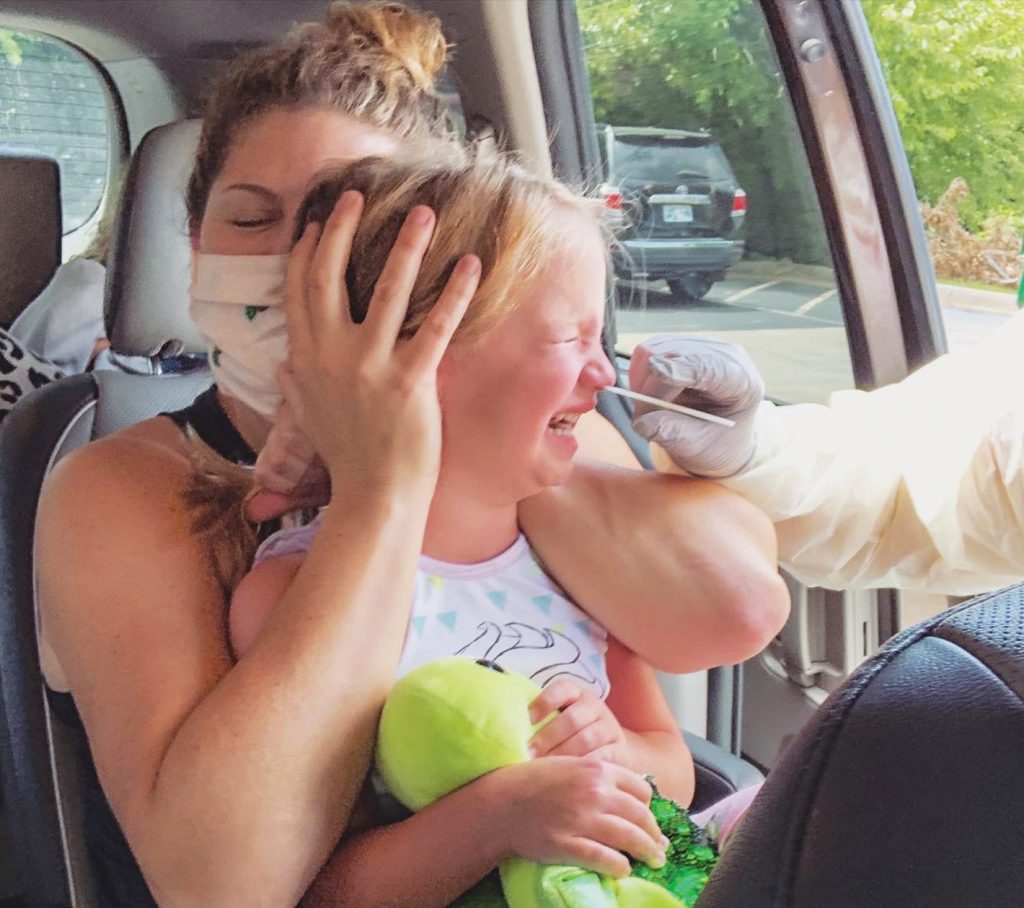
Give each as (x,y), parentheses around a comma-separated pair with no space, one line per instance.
(30,230)
(907,787)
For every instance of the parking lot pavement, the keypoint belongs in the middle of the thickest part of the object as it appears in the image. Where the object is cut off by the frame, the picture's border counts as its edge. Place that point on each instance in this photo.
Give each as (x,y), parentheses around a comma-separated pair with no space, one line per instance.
(792,327)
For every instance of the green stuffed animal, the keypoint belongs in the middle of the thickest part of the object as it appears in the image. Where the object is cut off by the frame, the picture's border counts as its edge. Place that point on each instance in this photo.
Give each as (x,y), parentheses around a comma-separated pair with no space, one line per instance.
(451,721)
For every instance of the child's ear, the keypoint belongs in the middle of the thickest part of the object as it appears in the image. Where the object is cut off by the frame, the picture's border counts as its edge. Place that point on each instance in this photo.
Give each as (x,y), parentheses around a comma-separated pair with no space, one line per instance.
(447,373)
(453,372)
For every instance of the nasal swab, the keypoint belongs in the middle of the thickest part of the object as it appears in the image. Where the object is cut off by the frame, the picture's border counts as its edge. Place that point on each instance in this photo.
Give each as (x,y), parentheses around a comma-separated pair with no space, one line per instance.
(665,405)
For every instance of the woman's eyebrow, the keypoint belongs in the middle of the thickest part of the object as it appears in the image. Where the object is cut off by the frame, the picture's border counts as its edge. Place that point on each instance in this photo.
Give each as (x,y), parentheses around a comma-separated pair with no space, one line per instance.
(253,187)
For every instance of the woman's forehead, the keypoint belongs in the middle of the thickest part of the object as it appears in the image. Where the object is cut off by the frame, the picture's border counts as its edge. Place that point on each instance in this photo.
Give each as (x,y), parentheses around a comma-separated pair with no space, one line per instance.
(284,150)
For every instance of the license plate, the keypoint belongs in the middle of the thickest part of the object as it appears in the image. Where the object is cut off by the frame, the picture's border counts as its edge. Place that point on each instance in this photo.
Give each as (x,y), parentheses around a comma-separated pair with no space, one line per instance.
(677,214)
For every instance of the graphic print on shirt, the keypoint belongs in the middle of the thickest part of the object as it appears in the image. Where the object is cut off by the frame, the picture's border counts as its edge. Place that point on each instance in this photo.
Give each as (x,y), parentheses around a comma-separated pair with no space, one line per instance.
(507,610)
(517,646)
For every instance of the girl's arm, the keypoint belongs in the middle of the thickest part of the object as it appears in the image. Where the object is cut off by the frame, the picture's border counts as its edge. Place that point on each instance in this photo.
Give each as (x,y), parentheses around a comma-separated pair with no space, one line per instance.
(633,727)
(256,596)
(654,743)
(554,810)
(682,571)
(427,860)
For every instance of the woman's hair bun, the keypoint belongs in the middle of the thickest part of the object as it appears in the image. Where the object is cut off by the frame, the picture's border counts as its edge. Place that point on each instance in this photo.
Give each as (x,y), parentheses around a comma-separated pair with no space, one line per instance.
(411,37)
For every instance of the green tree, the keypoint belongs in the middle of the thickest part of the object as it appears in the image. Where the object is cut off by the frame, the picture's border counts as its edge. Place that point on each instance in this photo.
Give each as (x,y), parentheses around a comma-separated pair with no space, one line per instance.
(10,50)
(709,64)
(955,70)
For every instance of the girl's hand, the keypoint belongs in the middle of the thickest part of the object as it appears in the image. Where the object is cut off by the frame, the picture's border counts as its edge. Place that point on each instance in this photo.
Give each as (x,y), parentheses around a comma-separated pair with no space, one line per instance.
(580,811)
(584,726)
(288,473)
(366,400)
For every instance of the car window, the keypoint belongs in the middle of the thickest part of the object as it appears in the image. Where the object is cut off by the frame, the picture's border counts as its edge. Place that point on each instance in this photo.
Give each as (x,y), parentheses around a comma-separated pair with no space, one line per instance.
(719,225)
(638,158)
(52,102)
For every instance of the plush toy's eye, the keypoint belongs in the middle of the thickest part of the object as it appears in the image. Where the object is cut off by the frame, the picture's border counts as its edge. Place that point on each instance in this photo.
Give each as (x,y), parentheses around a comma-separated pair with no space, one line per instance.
(493,666)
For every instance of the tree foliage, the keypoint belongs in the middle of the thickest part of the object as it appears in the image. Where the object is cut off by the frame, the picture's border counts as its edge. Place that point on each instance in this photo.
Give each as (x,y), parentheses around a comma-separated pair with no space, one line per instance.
(955,70)
(10,49)
(709,64)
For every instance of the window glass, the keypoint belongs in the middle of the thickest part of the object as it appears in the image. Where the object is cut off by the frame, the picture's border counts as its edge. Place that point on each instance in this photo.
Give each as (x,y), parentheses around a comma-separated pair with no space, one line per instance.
(703,165)
(53,103)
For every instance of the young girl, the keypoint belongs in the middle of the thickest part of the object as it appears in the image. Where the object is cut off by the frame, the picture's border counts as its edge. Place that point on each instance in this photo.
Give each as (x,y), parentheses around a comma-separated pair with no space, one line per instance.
(524,364)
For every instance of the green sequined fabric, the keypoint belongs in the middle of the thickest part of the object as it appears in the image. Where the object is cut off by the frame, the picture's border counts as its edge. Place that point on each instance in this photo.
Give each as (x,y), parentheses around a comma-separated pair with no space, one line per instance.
(690,857)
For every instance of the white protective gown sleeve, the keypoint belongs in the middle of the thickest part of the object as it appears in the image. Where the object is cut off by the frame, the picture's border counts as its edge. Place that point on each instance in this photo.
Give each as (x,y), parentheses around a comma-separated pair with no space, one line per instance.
(918,485)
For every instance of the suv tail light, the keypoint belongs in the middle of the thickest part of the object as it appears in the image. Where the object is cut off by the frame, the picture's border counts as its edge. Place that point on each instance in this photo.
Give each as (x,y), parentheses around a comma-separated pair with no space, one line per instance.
(612,196)
(739,203)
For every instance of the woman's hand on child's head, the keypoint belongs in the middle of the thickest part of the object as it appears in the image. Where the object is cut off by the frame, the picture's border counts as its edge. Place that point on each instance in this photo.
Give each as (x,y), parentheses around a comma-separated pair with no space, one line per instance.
(582,811)
(366,400)
(584,726)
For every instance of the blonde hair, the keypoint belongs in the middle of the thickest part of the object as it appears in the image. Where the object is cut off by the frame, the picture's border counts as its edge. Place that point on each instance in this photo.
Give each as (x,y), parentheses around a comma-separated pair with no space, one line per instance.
(488,205)
(375,62)
(514,221)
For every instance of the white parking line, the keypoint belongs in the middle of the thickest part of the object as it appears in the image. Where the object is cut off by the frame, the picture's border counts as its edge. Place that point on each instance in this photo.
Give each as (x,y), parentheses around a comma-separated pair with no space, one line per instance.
(750,291)
(810,304)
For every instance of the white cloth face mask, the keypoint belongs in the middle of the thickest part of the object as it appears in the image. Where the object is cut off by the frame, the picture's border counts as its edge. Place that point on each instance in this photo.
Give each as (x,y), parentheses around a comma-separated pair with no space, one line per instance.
(237,304)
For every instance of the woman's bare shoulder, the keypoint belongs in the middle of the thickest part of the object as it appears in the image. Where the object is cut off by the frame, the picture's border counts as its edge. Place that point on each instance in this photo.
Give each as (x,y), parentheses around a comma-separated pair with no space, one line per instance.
(114,538)
(151,456)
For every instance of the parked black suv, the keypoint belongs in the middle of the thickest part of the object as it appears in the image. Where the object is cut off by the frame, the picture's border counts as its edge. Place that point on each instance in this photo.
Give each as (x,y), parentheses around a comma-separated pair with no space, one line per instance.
(682,208)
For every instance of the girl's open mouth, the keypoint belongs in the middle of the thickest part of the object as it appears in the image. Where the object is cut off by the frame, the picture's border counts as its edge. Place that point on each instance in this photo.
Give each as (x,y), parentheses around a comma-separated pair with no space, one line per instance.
(564,423)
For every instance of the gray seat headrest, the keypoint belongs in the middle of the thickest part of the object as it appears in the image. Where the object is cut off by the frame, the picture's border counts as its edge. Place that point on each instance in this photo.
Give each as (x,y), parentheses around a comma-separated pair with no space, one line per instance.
(148,268)
(30,230)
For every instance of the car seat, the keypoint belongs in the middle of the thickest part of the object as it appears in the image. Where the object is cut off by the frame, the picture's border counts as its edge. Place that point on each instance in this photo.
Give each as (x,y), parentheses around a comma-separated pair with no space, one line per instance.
(906,788)
(146,315)
(30,230)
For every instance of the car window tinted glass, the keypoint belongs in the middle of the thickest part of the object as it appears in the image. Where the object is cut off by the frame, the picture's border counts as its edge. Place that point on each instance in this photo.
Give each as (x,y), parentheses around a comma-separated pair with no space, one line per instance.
(704,170)
(53,103)
(639,158)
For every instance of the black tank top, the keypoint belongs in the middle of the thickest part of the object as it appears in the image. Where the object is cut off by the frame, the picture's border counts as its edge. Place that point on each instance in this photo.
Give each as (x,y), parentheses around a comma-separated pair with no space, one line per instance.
(119,882)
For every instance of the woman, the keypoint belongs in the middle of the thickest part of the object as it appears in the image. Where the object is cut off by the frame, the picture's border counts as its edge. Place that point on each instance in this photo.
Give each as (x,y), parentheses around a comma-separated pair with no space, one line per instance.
(233,783)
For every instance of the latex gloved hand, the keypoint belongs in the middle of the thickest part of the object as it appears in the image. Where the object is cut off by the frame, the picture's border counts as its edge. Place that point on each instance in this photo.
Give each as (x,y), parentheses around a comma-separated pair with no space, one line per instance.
(710,375)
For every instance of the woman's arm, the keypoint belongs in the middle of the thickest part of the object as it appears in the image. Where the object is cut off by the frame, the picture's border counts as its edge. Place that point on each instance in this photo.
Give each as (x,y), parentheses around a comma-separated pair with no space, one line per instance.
(217,773)
(553,810)
(682,571)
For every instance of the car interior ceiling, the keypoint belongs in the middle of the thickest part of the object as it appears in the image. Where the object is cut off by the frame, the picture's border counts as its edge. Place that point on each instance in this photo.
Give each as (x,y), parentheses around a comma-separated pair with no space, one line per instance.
(176,48)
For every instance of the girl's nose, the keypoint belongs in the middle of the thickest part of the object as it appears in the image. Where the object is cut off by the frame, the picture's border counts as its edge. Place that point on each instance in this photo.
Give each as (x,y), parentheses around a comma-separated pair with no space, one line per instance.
(599,372)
